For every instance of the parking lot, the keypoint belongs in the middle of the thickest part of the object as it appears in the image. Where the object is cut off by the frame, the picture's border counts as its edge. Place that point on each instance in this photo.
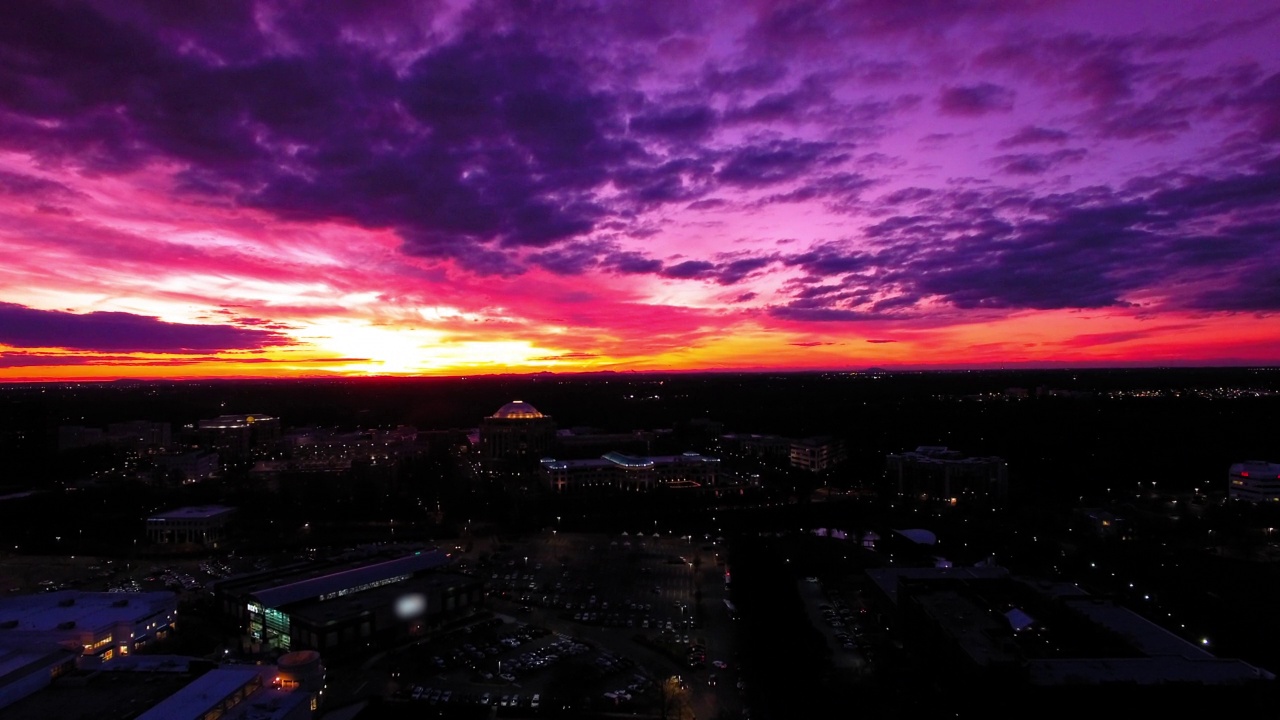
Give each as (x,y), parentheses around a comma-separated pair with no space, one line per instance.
(624,613)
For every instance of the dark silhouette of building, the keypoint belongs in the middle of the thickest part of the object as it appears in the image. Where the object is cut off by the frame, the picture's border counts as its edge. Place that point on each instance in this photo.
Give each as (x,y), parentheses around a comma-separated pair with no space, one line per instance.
(938,473)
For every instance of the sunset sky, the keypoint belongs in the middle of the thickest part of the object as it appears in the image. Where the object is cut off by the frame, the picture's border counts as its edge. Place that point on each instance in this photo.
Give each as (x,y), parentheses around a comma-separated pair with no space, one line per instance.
(221,188)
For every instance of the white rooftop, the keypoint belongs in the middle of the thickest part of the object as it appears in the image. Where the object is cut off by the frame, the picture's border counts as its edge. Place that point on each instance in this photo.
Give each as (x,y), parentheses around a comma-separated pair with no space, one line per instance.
(194,512)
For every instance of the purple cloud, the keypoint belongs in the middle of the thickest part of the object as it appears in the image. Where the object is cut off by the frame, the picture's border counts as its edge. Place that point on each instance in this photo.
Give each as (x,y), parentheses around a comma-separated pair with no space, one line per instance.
(1032,135)
(1037,163)
(122,332)
(683,123)
(973,100)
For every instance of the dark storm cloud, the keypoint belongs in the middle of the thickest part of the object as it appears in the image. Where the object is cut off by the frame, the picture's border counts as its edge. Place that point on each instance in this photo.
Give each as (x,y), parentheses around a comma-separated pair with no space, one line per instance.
(122,332)
(979,99)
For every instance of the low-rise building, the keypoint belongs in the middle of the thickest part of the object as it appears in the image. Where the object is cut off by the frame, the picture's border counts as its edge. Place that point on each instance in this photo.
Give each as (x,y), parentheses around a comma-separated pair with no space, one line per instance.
(174,687)
(938,473)
(99,625)
(982,626)
(204,525)
(337,606)
(625,472)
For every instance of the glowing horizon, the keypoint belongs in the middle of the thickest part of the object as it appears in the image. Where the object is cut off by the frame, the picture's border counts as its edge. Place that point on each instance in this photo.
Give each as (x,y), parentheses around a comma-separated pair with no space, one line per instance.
(466,187)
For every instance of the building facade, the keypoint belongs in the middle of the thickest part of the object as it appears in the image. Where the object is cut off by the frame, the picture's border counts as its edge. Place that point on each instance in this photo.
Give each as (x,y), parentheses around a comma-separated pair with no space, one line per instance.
(938,473)
(100,625)
(516,432)
(239,435)
(625,472)
(816,454)
(1254,481)
(333,608)
(200,525)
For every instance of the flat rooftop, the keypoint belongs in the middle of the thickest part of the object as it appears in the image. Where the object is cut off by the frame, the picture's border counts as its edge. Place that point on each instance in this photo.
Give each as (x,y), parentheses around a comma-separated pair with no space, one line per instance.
(19,660)
(887,578)
(45,612)
(617,459)
(193,512)
(97,695)
(268,704)
(319,612)
(350,579)
(203,694)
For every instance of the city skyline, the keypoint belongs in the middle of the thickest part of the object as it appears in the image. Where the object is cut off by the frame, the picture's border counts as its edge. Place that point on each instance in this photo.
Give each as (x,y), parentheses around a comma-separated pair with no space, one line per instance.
(264,189)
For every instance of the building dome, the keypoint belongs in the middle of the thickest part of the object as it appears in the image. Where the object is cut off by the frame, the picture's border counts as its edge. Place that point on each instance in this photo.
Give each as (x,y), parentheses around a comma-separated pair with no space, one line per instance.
(517,410)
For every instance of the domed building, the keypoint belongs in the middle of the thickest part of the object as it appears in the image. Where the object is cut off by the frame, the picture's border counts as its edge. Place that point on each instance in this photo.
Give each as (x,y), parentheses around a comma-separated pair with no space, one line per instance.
(516,432)
(517,410)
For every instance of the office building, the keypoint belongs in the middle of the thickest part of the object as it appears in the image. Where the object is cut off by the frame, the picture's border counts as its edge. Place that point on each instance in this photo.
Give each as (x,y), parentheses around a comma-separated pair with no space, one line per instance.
(941,474)
(1254,481)
(816,454)
(239,435)
(334,607)
(204,525)
(625,472)
(764,447)
(517,432)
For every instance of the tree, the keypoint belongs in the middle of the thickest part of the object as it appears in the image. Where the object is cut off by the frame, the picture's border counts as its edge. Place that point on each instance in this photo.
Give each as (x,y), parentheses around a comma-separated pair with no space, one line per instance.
(674,698)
